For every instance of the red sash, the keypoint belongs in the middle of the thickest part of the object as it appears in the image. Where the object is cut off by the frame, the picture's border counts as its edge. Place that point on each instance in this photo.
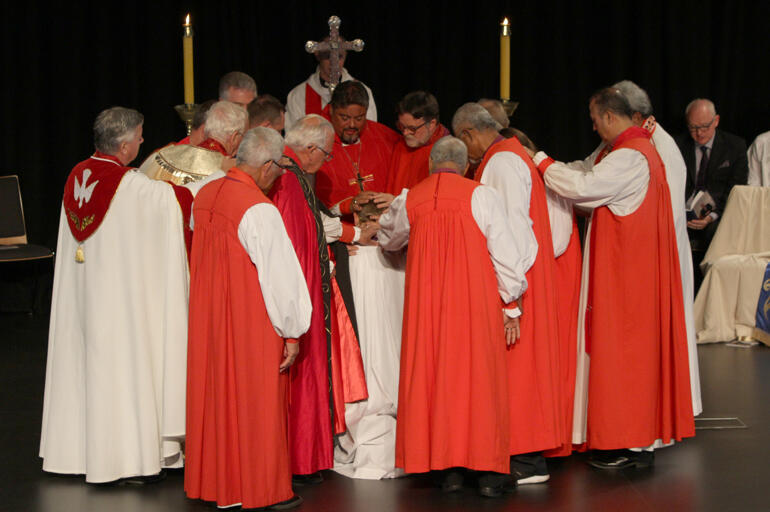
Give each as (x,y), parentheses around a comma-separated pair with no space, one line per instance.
(89,191)
(313,104)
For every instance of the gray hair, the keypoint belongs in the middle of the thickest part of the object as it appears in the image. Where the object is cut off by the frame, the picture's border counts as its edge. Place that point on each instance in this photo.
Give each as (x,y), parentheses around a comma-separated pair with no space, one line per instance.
(450,149)
(496,110)
(114,126)
(476,116)
(696,102)
(311,129)
(636,96)
(236,80)
(225,118)
(258,146)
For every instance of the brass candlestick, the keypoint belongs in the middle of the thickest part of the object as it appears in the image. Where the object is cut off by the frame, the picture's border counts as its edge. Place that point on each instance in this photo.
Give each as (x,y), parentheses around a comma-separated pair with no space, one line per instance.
(509,106)
(186,113)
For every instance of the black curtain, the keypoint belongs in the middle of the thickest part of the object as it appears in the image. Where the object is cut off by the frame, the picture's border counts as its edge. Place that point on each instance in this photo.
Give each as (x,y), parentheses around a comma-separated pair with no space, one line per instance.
(65,63)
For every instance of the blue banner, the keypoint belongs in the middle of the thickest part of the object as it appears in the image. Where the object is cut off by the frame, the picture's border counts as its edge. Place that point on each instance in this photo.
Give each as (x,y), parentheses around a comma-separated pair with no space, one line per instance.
(763,307)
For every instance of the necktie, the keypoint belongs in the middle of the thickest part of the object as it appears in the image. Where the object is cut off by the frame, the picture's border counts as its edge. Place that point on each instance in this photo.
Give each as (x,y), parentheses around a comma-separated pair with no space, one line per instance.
(700,181)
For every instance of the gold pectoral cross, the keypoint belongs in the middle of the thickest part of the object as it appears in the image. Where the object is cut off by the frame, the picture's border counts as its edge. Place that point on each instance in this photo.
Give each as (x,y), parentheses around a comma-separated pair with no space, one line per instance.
(360,180)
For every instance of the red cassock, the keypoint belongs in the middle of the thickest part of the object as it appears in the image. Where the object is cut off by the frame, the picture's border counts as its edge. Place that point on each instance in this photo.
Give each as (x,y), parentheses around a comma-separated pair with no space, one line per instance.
(452,399)
(567,281)
(335,181)
(639,381)
(409,166)
(237,439)
(533,361)
(310,423)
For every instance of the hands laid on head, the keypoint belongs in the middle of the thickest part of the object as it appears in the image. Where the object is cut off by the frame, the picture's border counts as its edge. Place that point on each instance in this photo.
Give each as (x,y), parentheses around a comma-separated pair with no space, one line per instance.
(362,198)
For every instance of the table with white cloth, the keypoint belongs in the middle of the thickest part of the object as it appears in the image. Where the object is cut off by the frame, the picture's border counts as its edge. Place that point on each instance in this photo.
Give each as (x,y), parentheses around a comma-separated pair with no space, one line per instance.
(733,302)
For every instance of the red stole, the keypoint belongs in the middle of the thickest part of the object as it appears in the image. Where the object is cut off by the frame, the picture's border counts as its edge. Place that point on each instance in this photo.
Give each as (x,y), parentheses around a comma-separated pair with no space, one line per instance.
(88,193)
(313,103)
(409,166)
(213,145)
(452,396)
(534,377)
(639,382)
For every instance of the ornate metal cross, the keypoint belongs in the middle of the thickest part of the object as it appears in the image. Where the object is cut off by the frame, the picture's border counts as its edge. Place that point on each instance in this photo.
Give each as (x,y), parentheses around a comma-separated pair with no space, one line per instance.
(360,180)
(334,45)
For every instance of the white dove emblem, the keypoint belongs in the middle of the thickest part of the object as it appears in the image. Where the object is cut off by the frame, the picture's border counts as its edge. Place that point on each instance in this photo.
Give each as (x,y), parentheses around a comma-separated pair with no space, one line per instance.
(82,191)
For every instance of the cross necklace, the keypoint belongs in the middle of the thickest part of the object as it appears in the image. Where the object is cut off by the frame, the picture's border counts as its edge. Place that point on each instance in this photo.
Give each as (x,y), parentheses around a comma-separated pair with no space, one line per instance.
(359,180)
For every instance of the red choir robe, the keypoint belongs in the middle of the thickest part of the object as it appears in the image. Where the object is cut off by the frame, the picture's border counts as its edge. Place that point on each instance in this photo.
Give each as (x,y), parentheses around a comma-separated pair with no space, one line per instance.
(318,368)
(453,396)
(237,434)
(533,361)
(335,181)
(639,381)
(409,166)
(567,282)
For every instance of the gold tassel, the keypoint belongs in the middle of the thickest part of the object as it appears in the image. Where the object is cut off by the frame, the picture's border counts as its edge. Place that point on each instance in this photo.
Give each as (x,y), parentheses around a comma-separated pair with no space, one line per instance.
(79,256)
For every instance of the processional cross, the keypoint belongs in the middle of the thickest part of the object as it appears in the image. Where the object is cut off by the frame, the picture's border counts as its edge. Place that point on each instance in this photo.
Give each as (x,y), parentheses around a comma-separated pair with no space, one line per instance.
(334,45)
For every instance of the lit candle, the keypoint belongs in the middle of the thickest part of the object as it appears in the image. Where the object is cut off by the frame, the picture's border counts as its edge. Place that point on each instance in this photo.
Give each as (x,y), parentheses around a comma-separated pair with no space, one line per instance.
(187,52)
(505,60)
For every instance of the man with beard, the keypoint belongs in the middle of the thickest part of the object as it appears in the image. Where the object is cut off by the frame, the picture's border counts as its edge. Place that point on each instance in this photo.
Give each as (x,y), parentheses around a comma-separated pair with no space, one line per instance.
(362,151)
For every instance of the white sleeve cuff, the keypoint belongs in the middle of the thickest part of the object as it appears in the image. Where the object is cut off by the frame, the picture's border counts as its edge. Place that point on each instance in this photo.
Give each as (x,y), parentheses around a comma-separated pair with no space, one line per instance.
(512,313)
(539,157)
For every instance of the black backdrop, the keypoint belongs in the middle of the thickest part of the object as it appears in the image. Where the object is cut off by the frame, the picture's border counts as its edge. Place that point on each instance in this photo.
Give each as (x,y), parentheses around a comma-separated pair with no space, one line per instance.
(63,64)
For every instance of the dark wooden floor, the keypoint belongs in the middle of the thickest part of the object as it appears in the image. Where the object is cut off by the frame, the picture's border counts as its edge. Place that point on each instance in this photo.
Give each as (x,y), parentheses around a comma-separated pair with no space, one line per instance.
(720,470)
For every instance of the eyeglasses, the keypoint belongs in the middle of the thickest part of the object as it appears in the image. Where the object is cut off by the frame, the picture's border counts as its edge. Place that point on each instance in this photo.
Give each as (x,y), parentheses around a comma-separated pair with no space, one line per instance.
(327,155)
(410,129)
(702,127)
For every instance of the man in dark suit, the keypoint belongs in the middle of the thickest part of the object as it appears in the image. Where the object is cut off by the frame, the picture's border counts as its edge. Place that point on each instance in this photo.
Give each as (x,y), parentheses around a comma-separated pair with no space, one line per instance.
(716,161)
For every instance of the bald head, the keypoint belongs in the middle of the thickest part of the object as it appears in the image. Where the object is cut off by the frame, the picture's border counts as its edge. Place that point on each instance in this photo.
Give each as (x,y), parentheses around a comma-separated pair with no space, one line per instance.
(702,120)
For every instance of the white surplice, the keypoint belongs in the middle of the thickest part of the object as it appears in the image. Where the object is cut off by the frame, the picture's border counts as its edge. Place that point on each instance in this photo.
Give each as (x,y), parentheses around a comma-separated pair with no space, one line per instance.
(676,176)
(759,161)
(367,449)
(295,101)
(114,402)
(510,176)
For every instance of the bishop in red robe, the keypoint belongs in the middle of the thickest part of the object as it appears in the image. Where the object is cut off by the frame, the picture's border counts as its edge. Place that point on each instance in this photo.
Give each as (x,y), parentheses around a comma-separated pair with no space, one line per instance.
(248,301)
(635,396)
(418,114)
(461,272)
(533,363)
(361,153)
(329,356)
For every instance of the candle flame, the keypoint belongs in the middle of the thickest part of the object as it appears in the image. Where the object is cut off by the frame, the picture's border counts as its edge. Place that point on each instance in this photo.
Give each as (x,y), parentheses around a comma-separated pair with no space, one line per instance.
(187,20)
(505,21)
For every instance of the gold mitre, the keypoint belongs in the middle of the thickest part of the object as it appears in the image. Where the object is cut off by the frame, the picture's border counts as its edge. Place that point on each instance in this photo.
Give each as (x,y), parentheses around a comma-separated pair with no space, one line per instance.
(182,164)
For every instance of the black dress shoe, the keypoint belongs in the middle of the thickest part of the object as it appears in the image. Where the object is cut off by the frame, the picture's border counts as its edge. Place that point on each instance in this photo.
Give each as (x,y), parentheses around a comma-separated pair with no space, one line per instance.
(620,459)
(293,502)
(452,481)
(144,480)
(311,479)
(494,485)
